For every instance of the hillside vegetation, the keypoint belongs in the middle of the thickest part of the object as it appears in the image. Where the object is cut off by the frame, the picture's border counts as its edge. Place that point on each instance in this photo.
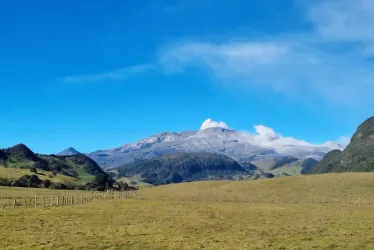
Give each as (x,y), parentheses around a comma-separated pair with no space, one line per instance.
(183,167)
(285,166)
(19,161)
(332,211)
(358,155)
(15,173)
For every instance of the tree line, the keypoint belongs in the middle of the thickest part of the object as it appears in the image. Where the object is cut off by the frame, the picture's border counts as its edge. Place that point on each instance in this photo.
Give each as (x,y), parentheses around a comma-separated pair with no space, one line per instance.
(101,182)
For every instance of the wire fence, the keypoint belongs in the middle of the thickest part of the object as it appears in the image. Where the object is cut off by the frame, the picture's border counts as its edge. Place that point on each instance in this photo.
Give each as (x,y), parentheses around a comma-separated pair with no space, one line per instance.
(67,199)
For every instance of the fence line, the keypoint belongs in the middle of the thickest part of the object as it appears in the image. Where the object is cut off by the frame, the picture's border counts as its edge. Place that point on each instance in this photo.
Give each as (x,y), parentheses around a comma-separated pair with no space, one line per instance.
(58,200)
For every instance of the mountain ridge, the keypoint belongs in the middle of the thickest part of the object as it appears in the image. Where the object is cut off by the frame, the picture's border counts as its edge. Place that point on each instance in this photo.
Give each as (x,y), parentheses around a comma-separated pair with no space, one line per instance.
(79,166)
(240,146)
(358,156)
(69,151)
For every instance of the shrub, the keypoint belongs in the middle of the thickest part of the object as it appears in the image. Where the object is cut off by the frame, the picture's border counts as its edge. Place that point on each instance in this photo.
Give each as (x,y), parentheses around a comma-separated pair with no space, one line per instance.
(34,181)
(123,186)
(5,182)
(57,185)
(47,183)
(100,188)
(27,181)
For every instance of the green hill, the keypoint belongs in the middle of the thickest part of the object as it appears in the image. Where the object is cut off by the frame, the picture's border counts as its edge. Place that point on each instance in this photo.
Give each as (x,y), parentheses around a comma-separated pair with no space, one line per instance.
(286,166)
(357,157)
(184,167)
(19,158)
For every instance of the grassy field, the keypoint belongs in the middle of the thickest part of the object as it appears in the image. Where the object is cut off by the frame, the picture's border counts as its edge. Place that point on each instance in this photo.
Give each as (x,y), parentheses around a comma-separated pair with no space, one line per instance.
(334,211)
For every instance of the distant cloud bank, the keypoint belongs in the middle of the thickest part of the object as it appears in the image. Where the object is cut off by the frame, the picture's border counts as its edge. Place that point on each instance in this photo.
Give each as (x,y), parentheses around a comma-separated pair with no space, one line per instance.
(267,137)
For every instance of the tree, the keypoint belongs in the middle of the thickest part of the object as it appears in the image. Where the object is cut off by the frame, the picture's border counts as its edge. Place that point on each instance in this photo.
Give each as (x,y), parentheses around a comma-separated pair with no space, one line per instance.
(27,181)
(33,169)
(101,179)
(34,181)
(47,183)
(123,186)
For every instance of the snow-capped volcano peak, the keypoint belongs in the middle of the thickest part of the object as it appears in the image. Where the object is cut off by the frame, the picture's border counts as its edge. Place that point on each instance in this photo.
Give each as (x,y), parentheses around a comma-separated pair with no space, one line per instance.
(215,137)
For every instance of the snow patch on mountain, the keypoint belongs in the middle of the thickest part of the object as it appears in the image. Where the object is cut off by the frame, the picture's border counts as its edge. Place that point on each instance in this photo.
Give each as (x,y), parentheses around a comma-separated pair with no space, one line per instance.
(215,137)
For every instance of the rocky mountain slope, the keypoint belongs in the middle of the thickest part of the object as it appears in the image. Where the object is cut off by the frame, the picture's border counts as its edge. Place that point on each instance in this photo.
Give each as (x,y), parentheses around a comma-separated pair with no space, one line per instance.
(358,156)
(68,152)
(240,146)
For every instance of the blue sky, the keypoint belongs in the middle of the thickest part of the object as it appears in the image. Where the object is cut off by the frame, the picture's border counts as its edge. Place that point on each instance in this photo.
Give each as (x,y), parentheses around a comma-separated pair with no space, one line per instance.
(99,74)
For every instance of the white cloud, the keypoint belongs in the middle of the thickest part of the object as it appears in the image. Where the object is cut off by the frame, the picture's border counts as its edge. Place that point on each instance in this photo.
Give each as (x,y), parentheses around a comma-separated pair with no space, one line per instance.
(328,64)
(228,60)
(276,65)
(266,137)
(302,71)
(209,123)
(343,20)
(118,74)
(266,133)
(249,53)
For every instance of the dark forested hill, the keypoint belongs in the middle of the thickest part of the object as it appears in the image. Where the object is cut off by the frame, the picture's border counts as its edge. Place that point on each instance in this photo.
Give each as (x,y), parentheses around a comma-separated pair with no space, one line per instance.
(357,157)
(182,167)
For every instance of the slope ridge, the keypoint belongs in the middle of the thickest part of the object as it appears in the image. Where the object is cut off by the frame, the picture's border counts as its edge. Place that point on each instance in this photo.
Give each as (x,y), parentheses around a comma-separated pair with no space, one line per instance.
(240,146)
(358,156)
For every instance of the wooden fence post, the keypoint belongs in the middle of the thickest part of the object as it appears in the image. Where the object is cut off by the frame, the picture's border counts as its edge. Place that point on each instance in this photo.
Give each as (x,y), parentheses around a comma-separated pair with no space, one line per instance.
(25,203)
(51,200)
(14,204)
(4,205)
(36,201)
(58,200)
(71,201)
(81,198)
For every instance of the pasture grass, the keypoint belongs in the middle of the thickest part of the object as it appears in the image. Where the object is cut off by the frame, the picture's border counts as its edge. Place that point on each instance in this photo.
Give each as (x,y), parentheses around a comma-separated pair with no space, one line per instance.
(15,173)
(334,211)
